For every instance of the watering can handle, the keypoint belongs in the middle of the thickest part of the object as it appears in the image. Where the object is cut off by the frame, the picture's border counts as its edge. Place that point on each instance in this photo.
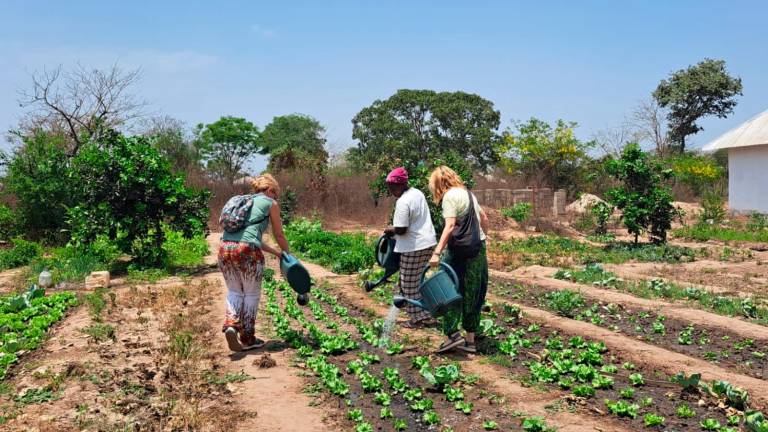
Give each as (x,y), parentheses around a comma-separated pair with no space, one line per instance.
(448,269)
(379,243)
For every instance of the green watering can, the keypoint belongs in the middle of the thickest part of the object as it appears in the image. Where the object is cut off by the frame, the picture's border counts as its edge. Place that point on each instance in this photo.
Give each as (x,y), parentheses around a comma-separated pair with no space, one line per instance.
(438,293)
(297,277)
(387,258)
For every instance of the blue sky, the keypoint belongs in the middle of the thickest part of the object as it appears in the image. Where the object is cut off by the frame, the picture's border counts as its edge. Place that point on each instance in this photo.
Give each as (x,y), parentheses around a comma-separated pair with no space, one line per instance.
(585,61)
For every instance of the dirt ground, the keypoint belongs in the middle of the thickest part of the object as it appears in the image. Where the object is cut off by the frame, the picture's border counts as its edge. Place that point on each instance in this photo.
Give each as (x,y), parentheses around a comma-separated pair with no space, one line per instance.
(164,364)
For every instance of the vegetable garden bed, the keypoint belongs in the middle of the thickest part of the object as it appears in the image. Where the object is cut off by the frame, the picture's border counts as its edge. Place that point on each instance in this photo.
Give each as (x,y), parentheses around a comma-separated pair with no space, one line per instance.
(747,356)
(25,319)
(604,382)
(753,308)
(382,385)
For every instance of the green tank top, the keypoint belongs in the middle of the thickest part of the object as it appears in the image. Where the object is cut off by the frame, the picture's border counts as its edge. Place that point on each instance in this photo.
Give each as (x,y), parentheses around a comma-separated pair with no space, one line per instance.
(258,222)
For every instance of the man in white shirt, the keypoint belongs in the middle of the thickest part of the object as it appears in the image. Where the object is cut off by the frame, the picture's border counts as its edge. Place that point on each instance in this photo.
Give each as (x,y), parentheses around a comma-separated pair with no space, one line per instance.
(415,240)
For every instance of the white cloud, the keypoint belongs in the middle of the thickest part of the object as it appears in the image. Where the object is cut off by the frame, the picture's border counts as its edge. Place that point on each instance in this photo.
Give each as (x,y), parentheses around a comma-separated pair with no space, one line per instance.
(266,33)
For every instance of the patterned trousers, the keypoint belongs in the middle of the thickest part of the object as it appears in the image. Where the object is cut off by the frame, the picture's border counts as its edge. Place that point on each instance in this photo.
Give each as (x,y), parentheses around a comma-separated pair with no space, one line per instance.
(243,267)
(411,266)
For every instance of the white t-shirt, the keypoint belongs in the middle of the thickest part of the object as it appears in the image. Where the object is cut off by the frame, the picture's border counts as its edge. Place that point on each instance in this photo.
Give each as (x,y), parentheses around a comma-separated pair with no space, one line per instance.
(456,204)
(412,212)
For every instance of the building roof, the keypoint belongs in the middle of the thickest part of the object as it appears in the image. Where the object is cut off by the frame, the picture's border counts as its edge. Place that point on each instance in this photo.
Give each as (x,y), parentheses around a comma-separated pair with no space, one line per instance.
(751,133)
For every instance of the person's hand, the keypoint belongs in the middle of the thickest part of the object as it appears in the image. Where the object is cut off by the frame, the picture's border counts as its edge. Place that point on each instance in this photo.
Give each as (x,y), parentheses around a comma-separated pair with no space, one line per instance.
(389,231)
(434,260)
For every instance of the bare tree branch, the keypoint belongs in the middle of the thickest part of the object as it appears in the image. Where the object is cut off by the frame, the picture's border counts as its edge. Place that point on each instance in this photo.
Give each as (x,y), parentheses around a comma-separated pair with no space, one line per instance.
(81,103)
(649,119)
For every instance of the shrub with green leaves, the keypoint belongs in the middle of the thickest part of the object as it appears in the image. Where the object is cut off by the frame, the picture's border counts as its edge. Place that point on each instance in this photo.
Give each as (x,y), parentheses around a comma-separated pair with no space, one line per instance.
(21,252)
(602,211)
(127,191)
(519,212)
(645,203)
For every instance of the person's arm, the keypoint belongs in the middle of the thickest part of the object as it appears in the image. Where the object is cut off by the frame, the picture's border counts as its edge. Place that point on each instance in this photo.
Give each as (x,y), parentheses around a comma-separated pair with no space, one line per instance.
(450,223)
(392,230)
(484,224)
(277,231)
(400,220)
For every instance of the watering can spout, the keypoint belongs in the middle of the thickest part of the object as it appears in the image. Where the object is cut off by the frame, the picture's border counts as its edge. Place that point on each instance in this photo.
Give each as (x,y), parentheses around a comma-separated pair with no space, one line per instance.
(400,302)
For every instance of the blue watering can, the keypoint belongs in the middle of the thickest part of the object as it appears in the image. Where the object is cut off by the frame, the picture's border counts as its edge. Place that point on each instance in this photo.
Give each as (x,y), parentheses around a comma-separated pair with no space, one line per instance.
(439,293)
(297,277)
(387,258)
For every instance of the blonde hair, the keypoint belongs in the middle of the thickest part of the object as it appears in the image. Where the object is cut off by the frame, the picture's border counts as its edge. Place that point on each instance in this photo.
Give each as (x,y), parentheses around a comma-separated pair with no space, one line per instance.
(441,180)
(265,182)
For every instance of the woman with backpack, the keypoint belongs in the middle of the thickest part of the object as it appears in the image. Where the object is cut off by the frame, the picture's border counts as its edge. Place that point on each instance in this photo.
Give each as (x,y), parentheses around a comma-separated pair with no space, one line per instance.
(245,218)
(462,246)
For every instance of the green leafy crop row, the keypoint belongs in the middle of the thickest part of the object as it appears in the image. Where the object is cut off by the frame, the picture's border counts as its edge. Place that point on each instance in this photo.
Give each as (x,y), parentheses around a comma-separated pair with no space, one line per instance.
(24,320)
(343,252)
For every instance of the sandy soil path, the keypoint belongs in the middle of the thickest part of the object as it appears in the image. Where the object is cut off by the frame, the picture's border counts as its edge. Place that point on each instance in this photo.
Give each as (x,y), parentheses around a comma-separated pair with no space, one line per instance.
(276,393)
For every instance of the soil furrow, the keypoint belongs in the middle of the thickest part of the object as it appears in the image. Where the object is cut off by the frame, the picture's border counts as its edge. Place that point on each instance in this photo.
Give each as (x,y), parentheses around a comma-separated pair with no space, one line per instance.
(517,397)
(542,276)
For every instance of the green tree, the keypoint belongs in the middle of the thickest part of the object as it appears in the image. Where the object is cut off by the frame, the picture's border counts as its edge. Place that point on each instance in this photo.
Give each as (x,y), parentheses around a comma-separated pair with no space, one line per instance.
(645,203)
(36,176)
(125,190)
(169,138)
(545,155)
(227,144)
(415,126)
(690,94)
(294,141)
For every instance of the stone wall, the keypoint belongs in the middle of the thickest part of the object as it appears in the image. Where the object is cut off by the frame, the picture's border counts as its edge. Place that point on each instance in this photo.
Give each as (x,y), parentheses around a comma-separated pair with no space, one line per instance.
(545,202)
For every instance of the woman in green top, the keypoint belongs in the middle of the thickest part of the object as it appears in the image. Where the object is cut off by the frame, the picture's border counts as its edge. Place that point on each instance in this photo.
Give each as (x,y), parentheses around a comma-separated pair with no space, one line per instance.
(241,261)
(449,190)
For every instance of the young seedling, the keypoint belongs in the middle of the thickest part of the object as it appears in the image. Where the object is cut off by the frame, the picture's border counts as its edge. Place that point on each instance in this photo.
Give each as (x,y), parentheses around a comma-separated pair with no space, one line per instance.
(385,413)
(431,418)
(637,379)
(685,411)
(710,424)
(490,425)
(356,415)
(627,393)
(465,407)
(399,425)
(651,420)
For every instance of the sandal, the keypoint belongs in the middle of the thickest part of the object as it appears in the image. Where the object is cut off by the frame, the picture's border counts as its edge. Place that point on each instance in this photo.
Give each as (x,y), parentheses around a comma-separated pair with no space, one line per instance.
(230,334)
(468,347)
(424,322)
(252,343)
(453,341)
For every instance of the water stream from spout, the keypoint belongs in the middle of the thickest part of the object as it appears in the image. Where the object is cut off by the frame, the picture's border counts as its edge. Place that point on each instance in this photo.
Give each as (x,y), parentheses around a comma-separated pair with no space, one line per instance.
(389,323)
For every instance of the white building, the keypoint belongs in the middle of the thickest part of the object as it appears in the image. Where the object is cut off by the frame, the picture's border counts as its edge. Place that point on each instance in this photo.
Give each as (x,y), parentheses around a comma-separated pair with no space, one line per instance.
(747,147)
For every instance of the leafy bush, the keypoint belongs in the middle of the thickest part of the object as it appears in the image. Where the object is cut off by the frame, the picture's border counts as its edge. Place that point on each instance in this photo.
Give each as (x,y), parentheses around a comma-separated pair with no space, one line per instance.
(697,171)
(713,208)
(757,221)
(645,203)
(126,191)
(184,251)
(288,204)
(9,225)
(602,211)
(344,252)
(75,262)
(520,212)
(21,252)
(36,175)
